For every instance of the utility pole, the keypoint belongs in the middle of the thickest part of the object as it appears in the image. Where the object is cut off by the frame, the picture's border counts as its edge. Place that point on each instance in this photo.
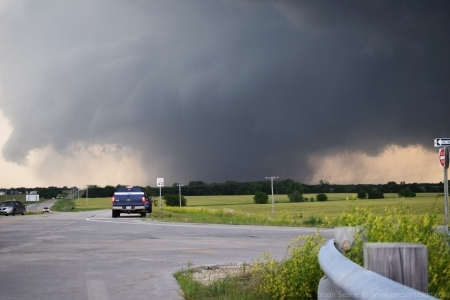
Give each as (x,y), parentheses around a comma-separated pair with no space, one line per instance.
(271,181)
(87,189)
(179,191)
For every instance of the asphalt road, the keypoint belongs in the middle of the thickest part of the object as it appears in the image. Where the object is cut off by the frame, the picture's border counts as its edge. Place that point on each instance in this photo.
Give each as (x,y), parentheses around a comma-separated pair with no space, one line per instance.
(89,255)
(37,207)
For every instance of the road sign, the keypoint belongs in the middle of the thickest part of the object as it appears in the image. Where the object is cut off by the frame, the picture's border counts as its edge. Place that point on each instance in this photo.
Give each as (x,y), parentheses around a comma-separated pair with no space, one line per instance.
(159,181)
(443,157)
(439,142)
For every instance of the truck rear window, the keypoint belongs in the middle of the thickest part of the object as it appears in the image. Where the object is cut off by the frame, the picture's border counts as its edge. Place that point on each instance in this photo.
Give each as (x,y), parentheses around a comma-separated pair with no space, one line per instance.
(133,189)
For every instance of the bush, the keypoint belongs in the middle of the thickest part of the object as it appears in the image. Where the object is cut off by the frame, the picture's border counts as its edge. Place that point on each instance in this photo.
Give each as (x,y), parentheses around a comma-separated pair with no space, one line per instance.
(321,197)
(261,198)
(400,225)
(362,195)
(297,277)
(406,193)
(174,200)
(375,195)
(296,196)
(314,220)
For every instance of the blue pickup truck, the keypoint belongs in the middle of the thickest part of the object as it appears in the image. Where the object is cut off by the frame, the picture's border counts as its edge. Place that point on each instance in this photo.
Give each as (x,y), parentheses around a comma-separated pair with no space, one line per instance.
(130,200)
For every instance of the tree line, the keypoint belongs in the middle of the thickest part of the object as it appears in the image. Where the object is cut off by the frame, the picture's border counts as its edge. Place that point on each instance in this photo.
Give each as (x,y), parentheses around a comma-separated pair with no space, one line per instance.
(281,187)
(229,187)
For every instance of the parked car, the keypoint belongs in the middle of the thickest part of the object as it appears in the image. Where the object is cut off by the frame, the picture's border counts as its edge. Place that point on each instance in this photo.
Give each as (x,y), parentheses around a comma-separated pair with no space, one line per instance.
(45,209)
(12,207)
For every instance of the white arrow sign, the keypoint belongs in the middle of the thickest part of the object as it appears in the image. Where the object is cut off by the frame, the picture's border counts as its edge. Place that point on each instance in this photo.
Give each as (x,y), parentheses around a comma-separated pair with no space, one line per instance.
(439,142)
(159,181)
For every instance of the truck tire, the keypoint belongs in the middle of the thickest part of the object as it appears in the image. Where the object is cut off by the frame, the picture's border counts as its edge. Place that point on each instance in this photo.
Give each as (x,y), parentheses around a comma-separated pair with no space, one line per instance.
(143,215)
(115,214)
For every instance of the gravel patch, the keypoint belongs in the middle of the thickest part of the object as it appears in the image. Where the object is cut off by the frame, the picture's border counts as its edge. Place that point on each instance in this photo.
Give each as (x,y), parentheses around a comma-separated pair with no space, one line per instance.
(207,275)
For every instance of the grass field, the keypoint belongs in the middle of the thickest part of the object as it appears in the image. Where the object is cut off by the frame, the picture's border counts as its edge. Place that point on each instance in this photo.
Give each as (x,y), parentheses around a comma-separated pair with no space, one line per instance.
(336,204)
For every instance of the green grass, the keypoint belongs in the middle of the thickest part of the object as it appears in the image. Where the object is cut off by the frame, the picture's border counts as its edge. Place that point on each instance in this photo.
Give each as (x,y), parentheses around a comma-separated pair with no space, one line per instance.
(242,210)
(336,204)
(63,205)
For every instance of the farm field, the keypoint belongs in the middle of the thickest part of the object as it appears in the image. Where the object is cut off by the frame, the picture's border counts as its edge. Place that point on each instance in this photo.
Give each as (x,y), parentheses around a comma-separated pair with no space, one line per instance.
(336,204)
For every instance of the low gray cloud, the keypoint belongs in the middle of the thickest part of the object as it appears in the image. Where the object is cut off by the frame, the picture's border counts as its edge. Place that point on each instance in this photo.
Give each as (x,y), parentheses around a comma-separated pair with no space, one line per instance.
(224,89)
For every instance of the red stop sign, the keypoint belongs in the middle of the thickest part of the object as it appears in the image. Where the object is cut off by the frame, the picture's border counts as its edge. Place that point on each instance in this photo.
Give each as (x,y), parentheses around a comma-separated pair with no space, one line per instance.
(442,157)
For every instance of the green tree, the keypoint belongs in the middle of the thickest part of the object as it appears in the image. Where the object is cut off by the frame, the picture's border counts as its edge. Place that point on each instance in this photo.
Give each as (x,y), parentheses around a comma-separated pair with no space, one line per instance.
(375,194)
(261,198)
(174,200)
(294,186)
(406,193)
(324,185)
(362,194)
(321,197)
(296,196)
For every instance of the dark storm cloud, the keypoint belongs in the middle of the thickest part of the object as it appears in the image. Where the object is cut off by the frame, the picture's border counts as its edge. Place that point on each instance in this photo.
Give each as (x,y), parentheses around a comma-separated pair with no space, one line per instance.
(225,89)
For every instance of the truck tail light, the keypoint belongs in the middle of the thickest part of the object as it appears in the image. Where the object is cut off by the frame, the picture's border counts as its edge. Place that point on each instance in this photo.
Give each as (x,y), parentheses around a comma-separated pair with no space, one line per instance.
(143,199)
(112,199)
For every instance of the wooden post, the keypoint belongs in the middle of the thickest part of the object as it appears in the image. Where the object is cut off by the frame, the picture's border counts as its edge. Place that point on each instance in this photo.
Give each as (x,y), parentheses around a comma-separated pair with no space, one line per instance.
(345,236)
(405,263)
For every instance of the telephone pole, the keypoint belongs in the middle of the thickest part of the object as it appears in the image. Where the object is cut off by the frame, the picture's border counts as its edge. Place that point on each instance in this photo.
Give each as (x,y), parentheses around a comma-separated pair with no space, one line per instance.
(271,181)
(179,191)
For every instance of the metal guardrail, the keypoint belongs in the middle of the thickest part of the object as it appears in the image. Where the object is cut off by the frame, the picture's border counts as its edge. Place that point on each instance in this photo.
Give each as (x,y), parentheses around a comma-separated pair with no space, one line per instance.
(346,280)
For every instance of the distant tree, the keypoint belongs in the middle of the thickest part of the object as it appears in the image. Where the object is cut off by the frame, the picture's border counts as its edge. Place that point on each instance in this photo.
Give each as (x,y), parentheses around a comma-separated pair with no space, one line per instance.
(296,196)
(407,193)
(324,185)
(321,197)
(174,200)
(391,187)
(150,191)
(376,194)
(261,198)
(362,194)
(294,186)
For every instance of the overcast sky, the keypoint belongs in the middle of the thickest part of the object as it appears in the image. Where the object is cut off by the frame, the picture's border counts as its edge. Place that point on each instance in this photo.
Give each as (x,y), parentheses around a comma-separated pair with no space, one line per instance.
(108,92)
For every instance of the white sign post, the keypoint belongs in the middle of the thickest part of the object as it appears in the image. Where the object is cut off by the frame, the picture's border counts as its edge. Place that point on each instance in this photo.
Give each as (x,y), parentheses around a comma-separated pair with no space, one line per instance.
(160,183)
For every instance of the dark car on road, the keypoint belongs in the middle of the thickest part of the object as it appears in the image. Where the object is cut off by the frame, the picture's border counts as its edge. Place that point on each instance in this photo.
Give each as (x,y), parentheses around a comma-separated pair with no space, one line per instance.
(130,200)
(12,208)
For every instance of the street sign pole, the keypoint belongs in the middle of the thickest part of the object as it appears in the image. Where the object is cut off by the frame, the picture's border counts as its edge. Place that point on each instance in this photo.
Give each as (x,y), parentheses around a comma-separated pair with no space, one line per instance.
(444,162)
(160,183)
(446,195)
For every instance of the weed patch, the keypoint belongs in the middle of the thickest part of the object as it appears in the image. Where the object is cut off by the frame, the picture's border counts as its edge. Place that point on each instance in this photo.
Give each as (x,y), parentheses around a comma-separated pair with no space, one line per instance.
(63,205)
